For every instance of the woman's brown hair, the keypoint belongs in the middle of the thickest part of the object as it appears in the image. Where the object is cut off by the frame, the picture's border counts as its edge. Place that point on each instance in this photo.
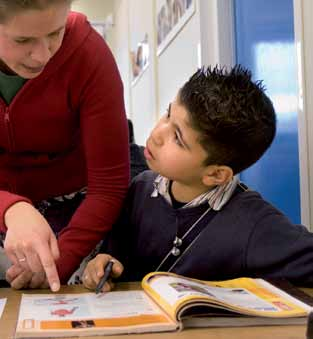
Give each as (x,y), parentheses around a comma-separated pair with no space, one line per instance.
(9,8)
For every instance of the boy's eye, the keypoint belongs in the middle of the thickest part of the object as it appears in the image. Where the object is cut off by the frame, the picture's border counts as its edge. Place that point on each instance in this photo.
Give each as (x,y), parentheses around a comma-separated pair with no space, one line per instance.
(168,113)
(178,141)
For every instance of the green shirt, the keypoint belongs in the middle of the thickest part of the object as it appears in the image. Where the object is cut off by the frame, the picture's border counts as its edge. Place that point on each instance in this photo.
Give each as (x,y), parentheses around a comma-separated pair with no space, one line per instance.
(10,85)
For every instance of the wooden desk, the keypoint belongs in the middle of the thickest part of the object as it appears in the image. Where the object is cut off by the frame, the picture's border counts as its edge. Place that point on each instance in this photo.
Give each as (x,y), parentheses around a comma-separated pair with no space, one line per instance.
(9,318)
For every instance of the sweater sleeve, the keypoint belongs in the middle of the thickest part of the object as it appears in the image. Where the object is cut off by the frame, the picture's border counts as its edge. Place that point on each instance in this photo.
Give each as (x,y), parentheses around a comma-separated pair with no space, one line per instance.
(8,199)
(279,249)
(104,135)
(120,240)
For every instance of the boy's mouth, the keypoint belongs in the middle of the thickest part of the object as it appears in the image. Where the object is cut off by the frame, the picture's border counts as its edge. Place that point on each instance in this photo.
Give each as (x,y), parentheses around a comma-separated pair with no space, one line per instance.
(147,153)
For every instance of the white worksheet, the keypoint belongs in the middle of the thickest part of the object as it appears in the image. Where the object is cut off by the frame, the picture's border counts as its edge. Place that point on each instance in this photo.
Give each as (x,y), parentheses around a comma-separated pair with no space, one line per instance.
(2,304)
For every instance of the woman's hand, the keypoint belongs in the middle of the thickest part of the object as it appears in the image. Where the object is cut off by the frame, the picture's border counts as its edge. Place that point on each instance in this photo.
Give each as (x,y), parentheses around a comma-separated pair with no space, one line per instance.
(20,277)
(30,242)
(95,270)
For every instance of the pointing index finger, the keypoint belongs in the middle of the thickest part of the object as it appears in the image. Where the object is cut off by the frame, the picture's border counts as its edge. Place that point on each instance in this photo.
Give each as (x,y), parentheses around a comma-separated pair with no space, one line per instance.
(49,267)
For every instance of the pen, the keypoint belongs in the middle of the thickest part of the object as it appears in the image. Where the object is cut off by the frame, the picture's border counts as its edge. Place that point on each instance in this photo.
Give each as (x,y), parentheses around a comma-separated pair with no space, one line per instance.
(104,279)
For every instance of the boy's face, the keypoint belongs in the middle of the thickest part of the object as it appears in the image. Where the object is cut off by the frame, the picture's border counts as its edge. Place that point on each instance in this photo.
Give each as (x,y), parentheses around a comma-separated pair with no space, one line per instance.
(173,149)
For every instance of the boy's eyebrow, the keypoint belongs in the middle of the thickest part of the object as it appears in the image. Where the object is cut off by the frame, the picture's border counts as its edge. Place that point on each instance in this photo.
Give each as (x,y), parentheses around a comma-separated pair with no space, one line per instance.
(30,37)
(179,132)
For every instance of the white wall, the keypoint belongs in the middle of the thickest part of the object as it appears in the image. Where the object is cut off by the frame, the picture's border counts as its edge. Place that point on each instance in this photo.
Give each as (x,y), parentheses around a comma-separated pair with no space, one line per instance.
(151,93)
(217,32)
(96,11)
(120,46)
(147,98)
(210,26)
(142,88)
(178,61)
(116,36)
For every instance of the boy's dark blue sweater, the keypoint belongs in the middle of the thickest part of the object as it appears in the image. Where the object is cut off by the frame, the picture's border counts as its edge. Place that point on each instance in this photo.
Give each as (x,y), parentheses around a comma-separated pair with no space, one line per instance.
(248,237)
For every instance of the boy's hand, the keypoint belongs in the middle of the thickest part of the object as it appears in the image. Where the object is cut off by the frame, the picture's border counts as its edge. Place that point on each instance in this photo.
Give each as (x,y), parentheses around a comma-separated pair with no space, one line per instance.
(95,270)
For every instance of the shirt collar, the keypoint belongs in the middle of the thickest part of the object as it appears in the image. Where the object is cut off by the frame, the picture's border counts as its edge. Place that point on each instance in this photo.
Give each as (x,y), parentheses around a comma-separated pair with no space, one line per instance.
(216,197)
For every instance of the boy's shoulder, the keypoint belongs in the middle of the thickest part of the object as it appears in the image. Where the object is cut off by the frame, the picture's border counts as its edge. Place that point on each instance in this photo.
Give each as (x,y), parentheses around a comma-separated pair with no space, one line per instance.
(143,181)
(249,202)
(146,176)
(142,186)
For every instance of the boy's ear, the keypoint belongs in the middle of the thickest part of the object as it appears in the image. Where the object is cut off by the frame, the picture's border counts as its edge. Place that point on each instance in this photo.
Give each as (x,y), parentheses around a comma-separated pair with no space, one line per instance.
(217,175)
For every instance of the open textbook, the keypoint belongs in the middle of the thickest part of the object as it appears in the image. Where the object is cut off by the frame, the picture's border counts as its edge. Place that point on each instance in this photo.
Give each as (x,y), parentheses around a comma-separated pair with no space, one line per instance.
(167,302)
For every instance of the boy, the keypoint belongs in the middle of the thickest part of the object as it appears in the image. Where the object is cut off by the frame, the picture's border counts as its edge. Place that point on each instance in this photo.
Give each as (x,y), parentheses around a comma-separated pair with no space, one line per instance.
(190,215)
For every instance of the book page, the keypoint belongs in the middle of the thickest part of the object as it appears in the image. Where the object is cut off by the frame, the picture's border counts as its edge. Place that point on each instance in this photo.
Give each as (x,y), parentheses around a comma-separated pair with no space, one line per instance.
(243,295)
(86,305)
(2,304)
(111,312)
(174,289)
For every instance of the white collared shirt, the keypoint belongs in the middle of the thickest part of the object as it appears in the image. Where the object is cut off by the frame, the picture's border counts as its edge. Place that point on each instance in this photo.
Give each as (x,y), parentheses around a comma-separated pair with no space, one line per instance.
(216,197)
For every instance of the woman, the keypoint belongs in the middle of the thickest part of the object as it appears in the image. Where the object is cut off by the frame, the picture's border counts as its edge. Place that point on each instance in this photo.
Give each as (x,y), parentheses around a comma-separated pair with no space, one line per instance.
(63,139)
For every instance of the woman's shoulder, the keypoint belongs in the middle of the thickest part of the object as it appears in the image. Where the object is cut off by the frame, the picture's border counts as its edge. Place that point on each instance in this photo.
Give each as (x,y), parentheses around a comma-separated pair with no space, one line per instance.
(83,37)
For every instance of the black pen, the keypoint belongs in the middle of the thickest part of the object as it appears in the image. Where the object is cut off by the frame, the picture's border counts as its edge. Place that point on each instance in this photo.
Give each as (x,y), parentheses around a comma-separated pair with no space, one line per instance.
(104,279)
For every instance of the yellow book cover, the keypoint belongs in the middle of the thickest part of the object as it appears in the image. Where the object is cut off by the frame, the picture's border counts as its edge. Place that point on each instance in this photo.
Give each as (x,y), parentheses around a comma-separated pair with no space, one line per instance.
(236,302)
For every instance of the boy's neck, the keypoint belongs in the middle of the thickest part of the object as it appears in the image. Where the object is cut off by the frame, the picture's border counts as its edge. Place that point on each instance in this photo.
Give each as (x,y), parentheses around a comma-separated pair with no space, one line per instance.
(184,193)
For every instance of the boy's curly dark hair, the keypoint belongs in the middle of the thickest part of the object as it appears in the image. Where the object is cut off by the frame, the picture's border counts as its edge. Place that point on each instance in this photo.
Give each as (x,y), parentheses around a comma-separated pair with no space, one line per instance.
(235,119)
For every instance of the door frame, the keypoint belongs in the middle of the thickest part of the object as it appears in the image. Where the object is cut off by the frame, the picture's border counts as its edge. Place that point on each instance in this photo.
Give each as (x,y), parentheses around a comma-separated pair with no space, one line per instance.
(217,35)
(304,48)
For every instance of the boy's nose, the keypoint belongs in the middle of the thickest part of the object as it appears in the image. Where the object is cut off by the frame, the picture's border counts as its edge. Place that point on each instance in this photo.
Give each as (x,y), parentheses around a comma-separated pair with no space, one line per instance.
(157,136)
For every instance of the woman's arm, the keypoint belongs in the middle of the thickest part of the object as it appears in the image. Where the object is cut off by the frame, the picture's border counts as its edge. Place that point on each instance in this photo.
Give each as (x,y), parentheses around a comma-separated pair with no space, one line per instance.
(104,135)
